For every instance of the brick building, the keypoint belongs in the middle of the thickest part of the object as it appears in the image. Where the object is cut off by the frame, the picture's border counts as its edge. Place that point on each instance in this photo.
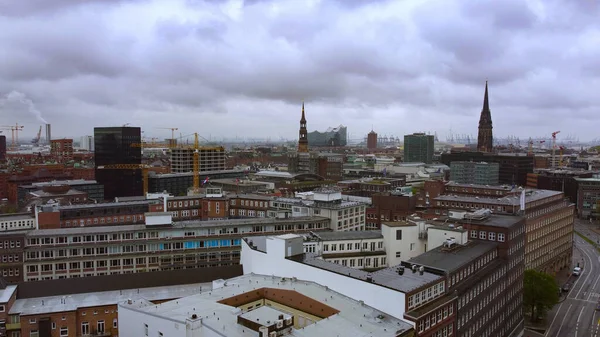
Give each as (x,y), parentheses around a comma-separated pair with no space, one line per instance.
(249,206)
(61,149)
(549,222)
(12,246)
(84,314)
(588,197)
(564,180)
(389,207)
(367,187)
(8,295)
(484,280)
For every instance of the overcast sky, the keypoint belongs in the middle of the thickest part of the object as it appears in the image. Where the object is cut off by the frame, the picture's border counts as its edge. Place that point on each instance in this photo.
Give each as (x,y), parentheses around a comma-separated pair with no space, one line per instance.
(242,68)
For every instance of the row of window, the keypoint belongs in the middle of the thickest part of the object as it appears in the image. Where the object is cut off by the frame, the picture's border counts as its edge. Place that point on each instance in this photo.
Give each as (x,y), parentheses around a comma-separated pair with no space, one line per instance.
(103,220)
(18,224)
(487,282)
(10,244)
(184,203)
(139,262)
(91,238)
(424,296)
(8,272)
(366,246)
(378,262)
(250,203)
(435,317)
(483,235)
(251,213)
(473,267)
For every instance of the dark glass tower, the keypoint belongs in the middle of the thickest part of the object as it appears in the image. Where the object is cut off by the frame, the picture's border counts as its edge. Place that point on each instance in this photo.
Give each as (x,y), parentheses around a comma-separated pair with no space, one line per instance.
(2,147)
(113,146)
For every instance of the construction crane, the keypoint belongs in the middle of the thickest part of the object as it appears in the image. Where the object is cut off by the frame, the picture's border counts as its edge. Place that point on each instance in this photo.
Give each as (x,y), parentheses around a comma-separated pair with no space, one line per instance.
(195,164)
(15,133)
(562,149)
(151,144)
(142,167)
(36,140)
(554,145)
(172,134)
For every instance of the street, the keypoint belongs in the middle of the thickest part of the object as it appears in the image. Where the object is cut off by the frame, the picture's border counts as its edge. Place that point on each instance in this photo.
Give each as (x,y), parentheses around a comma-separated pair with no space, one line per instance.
(577,315)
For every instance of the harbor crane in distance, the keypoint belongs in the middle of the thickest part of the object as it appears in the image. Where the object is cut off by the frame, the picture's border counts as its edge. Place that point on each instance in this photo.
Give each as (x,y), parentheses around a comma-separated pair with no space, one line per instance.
(554,146)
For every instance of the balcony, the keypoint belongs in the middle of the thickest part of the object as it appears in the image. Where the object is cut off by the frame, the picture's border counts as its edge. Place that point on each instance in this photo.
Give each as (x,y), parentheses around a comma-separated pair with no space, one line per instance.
(13,326)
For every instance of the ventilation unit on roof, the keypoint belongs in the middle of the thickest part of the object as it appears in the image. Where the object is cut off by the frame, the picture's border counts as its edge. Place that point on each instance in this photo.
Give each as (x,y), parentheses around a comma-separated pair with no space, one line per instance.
(449,242)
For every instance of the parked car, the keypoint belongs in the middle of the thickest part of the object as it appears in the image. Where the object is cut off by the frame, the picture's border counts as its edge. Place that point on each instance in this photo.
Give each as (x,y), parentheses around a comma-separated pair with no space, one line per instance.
(566,287)
(577,271)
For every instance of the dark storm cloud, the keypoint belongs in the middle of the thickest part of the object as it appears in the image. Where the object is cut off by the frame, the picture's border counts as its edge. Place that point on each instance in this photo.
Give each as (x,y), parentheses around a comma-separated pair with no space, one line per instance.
(39,7)
(220,65)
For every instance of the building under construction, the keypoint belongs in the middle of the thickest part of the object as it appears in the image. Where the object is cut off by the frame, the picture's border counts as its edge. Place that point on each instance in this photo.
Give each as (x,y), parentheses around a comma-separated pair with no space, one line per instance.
(209,159)
(337,136)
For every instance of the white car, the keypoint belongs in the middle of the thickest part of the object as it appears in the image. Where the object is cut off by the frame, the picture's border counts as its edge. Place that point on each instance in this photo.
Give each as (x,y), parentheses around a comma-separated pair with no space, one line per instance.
(577,271)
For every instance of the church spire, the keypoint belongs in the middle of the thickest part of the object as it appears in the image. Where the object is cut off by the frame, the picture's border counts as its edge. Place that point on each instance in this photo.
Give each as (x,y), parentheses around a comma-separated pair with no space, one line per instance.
(486,116)
(485,142)
(303,134)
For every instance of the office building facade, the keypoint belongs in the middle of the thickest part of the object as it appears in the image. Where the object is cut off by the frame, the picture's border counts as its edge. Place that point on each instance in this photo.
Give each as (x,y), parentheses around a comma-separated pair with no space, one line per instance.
(118,146)
(482,173)
(418,148)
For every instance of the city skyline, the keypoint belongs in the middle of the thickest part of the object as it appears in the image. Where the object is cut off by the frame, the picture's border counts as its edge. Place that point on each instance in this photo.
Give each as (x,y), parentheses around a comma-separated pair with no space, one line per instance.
(235,68)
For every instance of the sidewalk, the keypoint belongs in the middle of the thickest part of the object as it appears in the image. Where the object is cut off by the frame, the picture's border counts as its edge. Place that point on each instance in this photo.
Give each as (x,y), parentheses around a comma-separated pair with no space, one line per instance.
(566,275)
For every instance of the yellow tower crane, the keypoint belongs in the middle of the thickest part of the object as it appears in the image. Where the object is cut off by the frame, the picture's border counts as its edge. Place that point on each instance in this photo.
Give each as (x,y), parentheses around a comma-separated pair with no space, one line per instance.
(142,167)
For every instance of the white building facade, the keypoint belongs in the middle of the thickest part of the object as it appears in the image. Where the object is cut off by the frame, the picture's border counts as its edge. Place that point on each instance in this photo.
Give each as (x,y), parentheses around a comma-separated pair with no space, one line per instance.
(344,215)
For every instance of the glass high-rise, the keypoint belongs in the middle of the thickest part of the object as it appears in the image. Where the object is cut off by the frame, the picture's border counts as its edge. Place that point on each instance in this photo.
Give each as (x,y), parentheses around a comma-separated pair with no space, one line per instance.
(113,146)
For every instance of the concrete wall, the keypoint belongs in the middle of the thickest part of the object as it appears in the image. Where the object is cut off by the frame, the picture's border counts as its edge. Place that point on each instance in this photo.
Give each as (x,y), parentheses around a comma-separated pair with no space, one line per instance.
(436,237)
(274,263)
(410,239)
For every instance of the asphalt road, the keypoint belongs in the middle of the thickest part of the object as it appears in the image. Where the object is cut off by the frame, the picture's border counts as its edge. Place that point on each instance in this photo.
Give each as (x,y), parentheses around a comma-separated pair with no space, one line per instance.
(576,315)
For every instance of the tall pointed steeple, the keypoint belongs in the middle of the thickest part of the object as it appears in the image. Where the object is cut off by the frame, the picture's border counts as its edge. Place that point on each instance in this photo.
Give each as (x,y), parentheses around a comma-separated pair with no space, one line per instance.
(486,116)
(303,119)
(303,134)
(485,142)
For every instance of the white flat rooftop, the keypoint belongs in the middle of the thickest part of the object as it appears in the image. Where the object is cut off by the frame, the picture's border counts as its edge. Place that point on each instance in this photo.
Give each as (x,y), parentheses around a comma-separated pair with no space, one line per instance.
(53,304)
(353,320)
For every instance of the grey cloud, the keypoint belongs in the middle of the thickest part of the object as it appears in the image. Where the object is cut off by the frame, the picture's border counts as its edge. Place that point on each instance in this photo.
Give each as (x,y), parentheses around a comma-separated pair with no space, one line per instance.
(20,8)
(506,15)
(173,30)
(352,61)
(62,51)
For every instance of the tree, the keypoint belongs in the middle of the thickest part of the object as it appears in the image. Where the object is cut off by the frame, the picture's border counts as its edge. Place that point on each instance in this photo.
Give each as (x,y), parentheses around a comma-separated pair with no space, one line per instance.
(540,292)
